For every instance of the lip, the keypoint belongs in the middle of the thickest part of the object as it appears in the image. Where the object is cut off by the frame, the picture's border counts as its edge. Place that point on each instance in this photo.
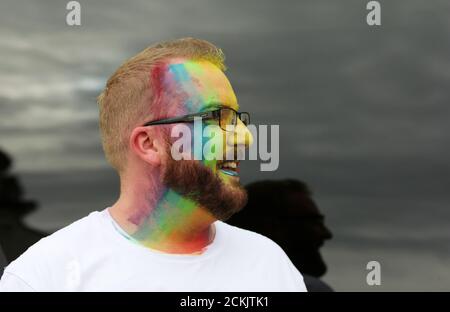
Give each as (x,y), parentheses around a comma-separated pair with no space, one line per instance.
(229,172)
(233,172)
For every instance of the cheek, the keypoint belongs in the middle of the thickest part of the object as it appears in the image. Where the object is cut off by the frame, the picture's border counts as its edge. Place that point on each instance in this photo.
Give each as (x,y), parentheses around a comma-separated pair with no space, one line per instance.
(200,144)
(211,164)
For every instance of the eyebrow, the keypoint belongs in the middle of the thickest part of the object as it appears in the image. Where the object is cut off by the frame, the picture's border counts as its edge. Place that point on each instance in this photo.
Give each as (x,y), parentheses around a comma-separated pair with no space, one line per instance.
(217,105)
(212,105)
(311,216)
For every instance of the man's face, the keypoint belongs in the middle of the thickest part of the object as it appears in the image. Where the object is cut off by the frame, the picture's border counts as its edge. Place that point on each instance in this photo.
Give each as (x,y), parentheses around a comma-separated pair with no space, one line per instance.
(192,87)
(310,233)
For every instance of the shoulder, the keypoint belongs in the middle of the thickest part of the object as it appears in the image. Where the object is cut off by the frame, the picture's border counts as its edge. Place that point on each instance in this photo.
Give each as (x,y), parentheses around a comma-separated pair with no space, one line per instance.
(66,238)
(249,239)
(51,255)
(264,255)
(256,247)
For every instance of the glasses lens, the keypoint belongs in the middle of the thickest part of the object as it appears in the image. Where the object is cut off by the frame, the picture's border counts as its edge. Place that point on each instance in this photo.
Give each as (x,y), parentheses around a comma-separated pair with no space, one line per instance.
(227,118)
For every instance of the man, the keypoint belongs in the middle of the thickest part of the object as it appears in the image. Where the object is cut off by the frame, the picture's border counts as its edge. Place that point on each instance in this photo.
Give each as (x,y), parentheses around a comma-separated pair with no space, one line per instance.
(166,230)
(285,211)
(3,261)
(15,235)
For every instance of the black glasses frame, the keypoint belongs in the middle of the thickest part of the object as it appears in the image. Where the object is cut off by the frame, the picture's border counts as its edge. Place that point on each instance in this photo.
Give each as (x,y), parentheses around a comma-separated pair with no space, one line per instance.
(209,115)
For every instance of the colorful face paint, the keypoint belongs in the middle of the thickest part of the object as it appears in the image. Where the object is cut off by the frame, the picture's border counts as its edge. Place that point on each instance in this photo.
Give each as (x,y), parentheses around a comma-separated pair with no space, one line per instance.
(194,193)
(201,86)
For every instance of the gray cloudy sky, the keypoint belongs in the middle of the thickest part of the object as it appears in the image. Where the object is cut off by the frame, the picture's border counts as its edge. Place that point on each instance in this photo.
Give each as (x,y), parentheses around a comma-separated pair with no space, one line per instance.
(363,113)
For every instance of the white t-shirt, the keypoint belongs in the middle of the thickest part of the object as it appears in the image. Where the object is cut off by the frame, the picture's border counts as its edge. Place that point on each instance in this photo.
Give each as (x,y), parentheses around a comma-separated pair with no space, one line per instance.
(91,255)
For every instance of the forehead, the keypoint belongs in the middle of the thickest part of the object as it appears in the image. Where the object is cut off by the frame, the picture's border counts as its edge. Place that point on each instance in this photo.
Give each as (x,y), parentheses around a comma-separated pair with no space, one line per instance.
(198,85)
(301,204)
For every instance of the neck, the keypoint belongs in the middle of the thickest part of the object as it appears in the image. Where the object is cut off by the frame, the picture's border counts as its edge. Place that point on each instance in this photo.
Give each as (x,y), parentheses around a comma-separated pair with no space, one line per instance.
(162,219)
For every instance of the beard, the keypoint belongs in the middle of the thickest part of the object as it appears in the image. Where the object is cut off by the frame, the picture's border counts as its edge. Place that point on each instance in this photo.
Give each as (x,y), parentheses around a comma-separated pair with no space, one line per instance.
(195,181)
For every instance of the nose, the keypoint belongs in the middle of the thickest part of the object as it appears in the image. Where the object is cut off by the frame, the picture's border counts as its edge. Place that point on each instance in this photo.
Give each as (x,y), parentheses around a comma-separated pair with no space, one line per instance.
(240,136)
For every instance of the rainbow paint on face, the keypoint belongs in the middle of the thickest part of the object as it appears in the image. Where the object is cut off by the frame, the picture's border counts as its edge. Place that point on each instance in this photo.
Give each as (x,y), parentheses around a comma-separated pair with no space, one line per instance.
(187,87)
(201,86)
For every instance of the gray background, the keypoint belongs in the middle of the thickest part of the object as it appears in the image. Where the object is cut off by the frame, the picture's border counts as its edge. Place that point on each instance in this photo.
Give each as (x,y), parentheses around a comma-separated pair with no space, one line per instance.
(363,113)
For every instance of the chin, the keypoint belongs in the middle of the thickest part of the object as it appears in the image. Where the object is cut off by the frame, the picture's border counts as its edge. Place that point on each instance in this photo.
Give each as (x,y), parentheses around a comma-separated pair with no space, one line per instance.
(219,193)
(233,198)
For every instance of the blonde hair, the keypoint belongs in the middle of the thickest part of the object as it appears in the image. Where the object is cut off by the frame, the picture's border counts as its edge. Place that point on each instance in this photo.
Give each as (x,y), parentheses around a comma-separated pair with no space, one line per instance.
(131,92)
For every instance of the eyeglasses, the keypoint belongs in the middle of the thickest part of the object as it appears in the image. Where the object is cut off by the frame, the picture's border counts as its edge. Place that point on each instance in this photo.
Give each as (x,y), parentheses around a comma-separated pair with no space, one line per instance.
(227,117)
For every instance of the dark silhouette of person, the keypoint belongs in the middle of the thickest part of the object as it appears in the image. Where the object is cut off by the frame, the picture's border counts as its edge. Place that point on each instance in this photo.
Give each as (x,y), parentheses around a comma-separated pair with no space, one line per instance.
(285,212)
(15,236)
(3,261)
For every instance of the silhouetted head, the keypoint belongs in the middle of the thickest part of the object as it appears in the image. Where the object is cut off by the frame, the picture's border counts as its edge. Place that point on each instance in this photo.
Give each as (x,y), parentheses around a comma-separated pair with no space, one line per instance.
(285,212)
(11,191)
(5,162)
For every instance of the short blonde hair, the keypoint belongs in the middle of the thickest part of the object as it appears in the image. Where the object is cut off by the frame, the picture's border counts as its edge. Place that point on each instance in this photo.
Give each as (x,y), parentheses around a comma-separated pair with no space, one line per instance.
(131,92)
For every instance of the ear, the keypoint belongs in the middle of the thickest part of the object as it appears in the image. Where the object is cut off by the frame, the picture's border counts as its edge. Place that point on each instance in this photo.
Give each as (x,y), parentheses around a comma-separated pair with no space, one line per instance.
(146,146)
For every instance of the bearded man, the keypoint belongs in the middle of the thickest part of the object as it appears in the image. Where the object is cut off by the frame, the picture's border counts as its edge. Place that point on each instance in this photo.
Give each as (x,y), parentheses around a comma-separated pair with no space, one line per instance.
(166,231)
